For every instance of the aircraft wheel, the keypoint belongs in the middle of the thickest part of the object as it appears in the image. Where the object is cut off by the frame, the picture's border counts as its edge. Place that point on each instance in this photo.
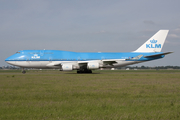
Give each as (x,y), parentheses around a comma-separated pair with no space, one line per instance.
(90,71)
(23,72)
(79,71)
(84,71)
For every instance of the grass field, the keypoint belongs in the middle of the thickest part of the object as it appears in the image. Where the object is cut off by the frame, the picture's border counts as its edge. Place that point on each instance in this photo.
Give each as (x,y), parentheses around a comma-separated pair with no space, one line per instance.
(103,95)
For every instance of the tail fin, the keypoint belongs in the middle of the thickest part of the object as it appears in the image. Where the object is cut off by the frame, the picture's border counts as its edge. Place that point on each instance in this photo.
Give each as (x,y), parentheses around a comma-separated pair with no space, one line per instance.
(155,43)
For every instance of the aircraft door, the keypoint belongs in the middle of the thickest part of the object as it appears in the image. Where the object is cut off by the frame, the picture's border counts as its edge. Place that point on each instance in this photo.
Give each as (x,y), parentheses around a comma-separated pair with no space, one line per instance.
(27,61)
(41,52)
(78,58)
(50,59)
(102,58)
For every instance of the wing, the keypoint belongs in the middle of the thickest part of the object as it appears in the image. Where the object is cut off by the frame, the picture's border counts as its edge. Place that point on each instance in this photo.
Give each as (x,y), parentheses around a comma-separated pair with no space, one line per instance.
(157,55)
(111,61)
(105,62)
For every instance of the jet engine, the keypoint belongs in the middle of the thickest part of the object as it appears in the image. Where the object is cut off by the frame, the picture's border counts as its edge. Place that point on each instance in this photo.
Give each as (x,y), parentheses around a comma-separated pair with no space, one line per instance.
(93,65)
(66,67)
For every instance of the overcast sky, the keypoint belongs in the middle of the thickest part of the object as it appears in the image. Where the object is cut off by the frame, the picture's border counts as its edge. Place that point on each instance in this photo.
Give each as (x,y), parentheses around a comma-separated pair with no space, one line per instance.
(88,26)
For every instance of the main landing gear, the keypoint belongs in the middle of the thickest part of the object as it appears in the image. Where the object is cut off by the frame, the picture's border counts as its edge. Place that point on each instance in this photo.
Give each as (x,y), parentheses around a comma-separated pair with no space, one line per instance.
(23,71)
(84,71)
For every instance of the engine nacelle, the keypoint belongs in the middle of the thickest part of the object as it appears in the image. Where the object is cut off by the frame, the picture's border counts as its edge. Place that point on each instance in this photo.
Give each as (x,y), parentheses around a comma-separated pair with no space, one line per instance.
(67,67)
(93,65)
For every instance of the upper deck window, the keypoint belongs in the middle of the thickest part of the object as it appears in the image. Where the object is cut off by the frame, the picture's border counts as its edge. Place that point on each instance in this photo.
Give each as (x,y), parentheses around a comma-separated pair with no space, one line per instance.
(33,53)
(48,53)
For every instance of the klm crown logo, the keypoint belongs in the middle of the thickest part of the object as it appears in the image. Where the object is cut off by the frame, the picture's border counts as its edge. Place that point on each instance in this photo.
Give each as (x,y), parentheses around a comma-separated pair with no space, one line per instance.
(153,41)
(35,56)
(153,44)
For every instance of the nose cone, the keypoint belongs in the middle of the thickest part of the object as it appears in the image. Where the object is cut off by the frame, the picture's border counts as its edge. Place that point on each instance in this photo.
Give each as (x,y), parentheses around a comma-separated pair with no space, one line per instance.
(9,60)
(14,58)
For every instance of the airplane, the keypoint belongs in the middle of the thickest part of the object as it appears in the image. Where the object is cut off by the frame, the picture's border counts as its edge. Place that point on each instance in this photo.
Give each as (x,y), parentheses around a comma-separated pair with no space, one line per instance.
(85,62)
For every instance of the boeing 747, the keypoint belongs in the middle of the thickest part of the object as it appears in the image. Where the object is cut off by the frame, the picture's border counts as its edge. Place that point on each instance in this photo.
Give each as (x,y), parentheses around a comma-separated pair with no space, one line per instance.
(85,62)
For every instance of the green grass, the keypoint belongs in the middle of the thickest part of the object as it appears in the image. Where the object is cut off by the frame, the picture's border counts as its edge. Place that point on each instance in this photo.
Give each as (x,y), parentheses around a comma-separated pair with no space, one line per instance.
(103,95)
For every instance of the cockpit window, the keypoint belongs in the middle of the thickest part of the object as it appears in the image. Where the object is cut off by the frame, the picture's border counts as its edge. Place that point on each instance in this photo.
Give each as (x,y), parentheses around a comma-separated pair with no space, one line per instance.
(17,52)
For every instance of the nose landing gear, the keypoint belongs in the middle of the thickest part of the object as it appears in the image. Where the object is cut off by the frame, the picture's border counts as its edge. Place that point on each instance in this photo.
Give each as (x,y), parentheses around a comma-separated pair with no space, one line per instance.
(23,71)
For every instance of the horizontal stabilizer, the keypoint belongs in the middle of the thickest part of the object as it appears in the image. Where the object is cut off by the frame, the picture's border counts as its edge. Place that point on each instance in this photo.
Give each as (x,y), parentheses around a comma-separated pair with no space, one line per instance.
(156,55)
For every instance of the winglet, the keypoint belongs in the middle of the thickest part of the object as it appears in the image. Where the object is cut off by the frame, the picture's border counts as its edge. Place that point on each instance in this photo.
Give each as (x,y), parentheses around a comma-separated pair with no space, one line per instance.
(155,43)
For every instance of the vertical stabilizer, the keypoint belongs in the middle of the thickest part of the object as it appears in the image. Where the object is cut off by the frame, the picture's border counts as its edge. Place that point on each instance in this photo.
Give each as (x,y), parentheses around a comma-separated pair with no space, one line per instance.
(155,43)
